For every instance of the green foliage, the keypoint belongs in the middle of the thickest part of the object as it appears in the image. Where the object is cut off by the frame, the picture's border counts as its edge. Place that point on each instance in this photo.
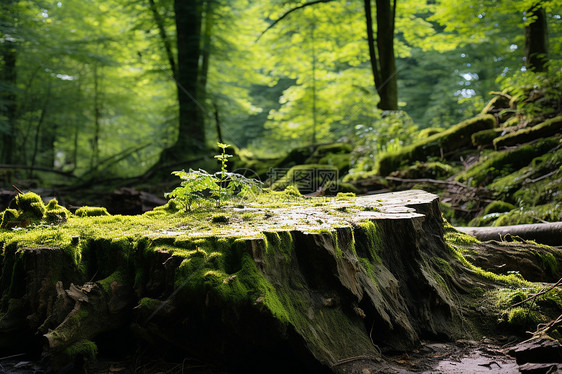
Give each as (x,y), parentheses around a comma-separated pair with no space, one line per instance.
(538,95)
(200,186)
(386,134)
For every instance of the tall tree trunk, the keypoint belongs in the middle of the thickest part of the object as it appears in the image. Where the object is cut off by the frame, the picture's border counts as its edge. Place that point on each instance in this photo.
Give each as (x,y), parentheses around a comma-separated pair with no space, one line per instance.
(388,89)
(191,135)
(536,40)
(8,75)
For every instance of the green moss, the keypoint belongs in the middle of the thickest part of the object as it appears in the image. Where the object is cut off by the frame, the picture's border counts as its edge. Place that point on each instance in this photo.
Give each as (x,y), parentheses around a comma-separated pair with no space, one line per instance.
(443,265)
(502,163)
(292,190)
(498,207)
(523,318)
(345,196)
(545,129)
(429,131)
(149,303)
(537,214)
(450,140)
(91,211)
(55,214)
(373,234)
(306,177)
(30,205)
(336,155)
(85,348)
(434,170)
(219,218)
(170,207)
(485,138)
(8,216)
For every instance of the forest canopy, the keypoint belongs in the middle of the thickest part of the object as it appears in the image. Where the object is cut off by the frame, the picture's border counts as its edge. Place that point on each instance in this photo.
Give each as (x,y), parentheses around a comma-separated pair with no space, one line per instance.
(115,87)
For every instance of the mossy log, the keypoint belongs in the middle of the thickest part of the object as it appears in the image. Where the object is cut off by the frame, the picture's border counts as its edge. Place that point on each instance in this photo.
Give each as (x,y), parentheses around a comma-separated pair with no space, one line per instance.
(440,145)
(535,262)
(546,233)
(303,285)
(545,129)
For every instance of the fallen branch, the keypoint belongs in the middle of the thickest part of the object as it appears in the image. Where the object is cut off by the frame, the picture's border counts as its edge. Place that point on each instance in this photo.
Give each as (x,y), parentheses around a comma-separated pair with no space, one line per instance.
(534,296)
(545,233)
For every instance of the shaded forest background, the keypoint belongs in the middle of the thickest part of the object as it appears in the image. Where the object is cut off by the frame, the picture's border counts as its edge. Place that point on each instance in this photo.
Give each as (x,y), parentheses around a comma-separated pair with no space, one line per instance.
(93,89)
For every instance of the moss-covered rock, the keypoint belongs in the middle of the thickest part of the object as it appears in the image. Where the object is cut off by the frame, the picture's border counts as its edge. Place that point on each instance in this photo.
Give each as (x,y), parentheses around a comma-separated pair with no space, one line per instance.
(545,129)
(440,145)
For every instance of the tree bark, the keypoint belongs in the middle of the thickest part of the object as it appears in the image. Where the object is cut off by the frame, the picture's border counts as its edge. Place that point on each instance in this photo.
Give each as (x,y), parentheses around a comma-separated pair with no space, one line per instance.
(536,40)
(191,124)
(371,42)
(388,89)
(9,78)
(164,36)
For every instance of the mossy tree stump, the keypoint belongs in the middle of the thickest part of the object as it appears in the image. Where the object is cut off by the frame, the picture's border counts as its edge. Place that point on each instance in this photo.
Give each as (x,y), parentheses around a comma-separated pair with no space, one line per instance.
(296,284)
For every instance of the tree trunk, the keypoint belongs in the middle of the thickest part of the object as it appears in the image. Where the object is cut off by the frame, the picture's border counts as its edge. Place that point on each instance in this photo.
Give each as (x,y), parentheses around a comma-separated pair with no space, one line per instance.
(206,48)
(191,124)
(536,40)
(97,116)
(8,75)
(371,42)
(388,89)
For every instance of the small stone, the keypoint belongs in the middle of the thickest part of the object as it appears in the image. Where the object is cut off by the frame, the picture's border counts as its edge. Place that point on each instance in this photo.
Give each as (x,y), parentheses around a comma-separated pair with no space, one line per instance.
(329,302)
(365,371)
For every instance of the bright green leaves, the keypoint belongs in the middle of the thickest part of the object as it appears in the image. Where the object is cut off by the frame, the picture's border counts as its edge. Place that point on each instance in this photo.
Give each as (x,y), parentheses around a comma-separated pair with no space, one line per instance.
(199,186)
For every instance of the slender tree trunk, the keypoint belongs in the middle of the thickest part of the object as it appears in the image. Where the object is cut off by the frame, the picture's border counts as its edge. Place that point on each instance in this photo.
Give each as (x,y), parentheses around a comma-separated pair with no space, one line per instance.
(218,123)
(164,37)
(371,42)
(97,117)
(8,74)
(536,40)
(206,45)
(314,109)
(191,135)
(388,89)
(38,131)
